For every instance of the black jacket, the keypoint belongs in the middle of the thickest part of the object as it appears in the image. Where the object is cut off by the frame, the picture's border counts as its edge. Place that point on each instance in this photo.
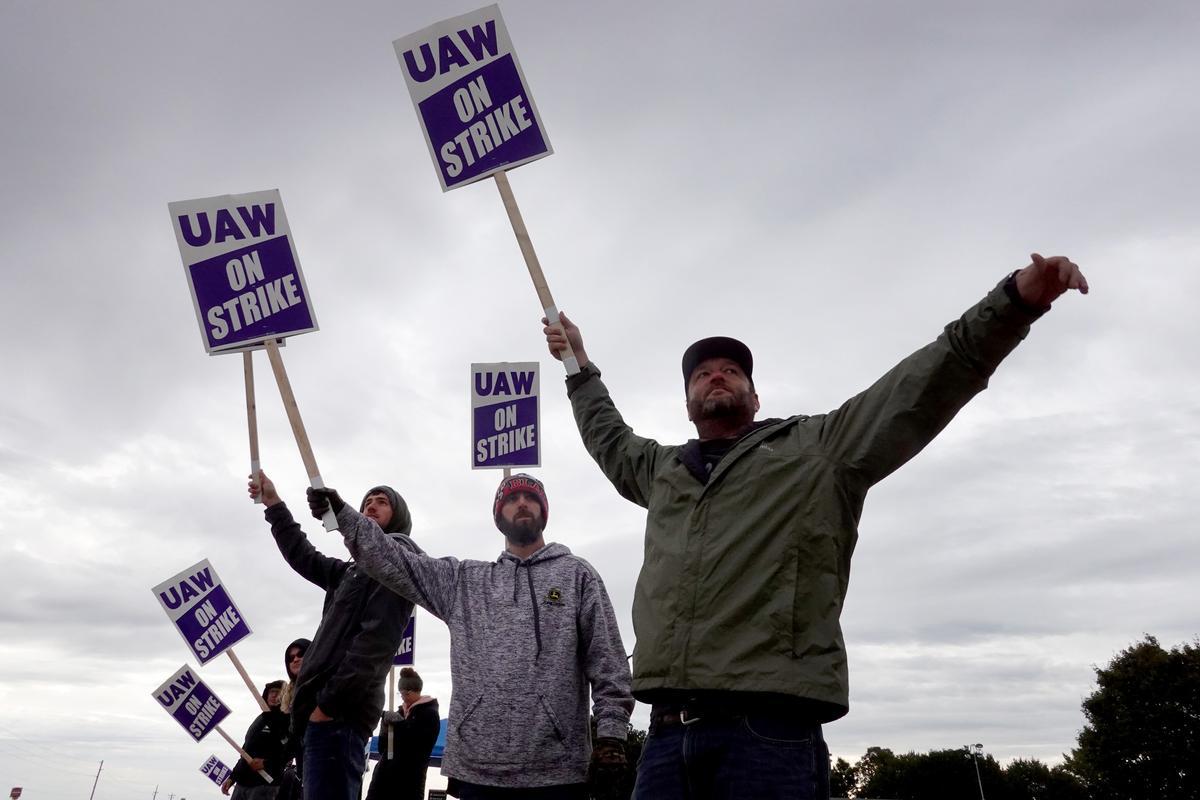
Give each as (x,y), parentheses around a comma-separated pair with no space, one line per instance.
(361,626)
(402,777)
(266,738)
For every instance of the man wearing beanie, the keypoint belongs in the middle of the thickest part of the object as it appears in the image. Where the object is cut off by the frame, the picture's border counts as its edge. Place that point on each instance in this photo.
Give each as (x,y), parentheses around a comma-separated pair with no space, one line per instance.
(339,692)
(749,532)
(266,742)
(406,738)
(530,634)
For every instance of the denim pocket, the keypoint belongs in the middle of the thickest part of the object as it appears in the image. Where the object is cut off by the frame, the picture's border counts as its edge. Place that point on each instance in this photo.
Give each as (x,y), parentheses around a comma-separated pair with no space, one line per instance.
(777,730)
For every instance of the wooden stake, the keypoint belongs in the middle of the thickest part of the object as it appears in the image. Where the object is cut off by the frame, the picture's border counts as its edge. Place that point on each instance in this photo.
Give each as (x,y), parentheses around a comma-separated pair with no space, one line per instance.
(535,268)
(245,756)
(237,664)
(252,420)
(293,414)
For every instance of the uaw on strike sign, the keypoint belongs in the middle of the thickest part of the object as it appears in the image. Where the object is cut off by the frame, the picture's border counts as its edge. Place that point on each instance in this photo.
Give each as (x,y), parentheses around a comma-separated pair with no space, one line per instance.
(193,705)
(242,268)
(471,97)
(216,770)
(504,414)
(202,611)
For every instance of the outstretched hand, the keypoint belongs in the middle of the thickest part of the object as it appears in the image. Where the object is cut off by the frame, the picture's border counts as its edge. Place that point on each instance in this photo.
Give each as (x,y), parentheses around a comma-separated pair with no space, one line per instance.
(557,337)
(262,486)
(1045,279)
(321,501)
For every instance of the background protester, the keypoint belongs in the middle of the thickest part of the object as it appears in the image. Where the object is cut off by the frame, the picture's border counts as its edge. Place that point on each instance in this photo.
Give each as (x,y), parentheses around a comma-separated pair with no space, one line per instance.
(266,742)
(406,738)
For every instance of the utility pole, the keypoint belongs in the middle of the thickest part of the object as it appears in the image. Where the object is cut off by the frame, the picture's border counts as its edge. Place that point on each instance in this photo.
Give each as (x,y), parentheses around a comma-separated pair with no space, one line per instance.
(976,750)
(93,794)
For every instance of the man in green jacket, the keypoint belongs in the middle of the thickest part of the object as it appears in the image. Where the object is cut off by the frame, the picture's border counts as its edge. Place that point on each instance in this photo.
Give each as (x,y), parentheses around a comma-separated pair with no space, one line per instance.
(749,533)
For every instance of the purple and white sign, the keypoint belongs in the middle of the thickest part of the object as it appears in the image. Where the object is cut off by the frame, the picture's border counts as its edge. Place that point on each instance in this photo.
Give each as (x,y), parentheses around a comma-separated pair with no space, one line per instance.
(242,268)
(505,415)
(216,771)
(200,608)
(405,653)
(193,705)
(471,97)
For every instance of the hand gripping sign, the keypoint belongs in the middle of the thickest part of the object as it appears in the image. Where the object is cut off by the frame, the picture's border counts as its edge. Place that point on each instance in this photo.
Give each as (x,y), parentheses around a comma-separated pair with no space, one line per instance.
(504,415)
(197,604)
(196,708)
(216,770)
(248,292)
(478,116)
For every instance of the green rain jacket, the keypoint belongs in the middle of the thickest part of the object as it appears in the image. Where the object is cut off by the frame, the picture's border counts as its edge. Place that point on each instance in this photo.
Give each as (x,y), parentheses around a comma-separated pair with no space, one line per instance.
(744,576)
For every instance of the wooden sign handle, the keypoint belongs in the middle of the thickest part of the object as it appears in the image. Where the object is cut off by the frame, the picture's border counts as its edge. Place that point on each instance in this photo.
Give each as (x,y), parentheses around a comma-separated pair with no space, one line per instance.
(293,414)
(252,419)
(237,664)
(570,363)
(245,756)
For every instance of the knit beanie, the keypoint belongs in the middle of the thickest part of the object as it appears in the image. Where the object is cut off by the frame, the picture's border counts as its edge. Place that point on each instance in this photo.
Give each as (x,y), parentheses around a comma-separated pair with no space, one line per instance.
(410,681)
(401,521)
(521,483)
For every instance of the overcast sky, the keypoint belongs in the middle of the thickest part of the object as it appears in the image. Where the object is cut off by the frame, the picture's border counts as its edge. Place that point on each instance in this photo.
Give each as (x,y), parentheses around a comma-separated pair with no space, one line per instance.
(830,182)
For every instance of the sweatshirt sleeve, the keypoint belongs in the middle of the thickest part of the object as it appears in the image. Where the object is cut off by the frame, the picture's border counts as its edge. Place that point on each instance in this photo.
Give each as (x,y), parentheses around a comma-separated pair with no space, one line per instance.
(299,553)
(626,459)
(880,429)
(397,563)
(604,659)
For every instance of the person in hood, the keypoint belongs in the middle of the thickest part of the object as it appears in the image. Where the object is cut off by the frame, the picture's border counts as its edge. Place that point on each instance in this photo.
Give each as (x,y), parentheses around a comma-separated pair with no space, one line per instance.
(530,634)
(749,532)
(406,738)
(339,693)
(266,743)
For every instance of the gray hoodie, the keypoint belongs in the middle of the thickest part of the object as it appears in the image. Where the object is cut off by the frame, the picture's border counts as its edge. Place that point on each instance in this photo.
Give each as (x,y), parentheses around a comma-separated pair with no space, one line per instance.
(527,640)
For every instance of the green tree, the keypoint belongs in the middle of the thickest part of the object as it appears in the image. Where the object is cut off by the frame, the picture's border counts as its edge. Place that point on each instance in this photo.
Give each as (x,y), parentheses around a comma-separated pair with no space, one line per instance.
(1030,779)
(1142,735)
(843,778)
(936,775)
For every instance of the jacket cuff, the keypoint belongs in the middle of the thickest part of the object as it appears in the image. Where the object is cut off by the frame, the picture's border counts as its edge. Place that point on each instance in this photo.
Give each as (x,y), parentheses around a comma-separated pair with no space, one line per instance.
(585,374)
(607,728)
(1009,285)
(277,513)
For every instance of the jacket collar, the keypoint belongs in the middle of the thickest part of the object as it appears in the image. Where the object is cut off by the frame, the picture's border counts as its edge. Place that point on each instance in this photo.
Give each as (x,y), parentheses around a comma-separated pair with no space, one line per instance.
(690,455)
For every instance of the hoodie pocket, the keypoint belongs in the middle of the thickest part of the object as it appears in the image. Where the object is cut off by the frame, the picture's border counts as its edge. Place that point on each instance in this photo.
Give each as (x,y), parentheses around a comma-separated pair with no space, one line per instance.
(500,729)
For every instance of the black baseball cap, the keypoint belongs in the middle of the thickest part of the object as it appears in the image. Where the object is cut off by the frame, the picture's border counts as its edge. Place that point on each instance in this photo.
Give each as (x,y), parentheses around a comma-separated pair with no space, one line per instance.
(717,347)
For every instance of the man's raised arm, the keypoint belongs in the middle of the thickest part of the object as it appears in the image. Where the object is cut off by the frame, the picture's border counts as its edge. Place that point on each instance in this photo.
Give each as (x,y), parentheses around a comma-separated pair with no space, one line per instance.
(394,560)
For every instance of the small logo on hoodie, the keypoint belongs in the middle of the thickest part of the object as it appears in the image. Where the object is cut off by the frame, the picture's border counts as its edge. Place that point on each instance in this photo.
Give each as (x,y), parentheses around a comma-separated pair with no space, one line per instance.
(554,596)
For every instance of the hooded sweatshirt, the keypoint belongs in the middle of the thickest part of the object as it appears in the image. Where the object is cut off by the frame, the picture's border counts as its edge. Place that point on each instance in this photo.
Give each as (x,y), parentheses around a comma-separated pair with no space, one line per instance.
(528,638)
(346,665)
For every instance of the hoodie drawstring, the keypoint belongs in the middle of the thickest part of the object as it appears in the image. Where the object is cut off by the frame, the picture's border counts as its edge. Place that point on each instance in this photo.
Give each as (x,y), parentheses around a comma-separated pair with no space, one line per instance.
(537,621)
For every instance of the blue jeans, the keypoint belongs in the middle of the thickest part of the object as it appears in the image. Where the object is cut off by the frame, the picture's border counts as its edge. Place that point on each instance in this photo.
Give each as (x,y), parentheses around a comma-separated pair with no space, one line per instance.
(335,757)
(760,756)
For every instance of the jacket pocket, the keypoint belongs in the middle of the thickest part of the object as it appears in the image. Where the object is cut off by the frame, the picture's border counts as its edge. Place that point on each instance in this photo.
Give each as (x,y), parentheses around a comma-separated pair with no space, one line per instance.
(505,730)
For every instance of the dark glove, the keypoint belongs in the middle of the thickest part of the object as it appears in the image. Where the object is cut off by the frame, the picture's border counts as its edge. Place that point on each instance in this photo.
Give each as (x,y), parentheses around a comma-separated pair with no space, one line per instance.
(322,500)
(607,772)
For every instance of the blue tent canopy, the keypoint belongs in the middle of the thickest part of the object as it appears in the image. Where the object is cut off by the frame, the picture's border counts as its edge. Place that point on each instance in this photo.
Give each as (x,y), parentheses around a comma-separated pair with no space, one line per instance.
(435,758)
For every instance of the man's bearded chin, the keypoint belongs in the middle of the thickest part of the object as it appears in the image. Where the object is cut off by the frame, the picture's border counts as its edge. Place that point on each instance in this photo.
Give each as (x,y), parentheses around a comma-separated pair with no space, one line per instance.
(721,406)
(521,532)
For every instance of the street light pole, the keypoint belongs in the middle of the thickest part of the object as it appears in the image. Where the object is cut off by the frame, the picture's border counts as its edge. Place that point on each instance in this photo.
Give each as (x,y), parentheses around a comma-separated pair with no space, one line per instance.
(976,750)
(93,794)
